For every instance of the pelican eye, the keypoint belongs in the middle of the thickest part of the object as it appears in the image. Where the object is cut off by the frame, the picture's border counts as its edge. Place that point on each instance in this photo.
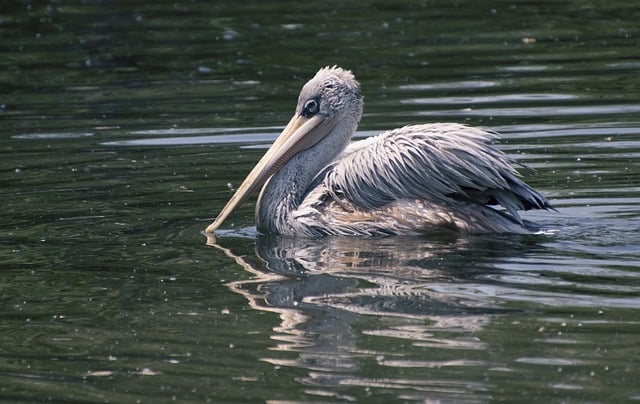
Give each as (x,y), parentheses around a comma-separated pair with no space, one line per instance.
(311,107)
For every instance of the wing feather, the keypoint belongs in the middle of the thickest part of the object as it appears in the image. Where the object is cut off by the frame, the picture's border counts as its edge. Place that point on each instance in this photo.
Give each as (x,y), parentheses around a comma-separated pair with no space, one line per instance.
(435,162)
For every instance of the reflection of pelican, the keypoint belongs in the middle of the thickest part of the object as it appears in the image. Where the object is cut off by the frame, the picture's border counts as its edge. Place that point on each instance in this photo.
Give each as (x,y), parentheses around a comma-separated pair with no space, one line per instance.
(405,181)
(321,287)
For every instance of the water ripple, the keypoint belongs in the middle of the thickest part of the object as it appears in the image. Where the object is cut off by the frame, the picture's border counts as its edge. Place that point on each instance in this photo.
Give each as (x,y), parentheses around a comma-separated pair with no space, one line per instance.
(530,111)
(508,98)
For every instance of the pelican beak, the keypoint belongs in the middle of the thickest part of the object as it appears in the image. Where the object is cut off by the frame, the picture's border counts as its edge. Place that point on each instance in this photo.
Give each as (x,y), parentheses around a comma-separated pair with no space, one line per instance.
(300,134)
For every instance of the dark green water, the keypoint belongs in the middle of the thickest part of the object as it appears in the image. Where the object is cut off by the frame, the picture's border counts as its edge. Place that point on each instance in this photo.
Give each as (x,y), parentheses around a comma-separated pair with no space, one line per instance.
(123,125)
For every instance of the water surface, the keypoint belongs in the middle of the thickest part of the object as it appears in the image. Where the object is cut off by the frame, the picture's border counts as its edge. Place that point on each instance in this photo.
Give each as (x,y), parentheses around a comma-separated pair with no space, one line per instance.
(124,128)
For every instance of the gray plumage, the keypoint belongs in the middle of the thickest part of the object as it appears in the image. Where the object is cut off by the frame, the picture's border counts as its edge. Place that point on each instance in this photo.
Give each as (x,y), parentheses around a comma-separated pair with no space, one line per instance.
(411,180)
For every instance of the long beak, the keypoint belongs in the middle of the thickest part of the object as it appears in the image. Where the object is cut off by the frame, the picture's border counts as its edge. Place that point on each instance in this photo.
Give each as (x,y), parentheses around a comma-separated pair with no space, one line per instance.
(300,134)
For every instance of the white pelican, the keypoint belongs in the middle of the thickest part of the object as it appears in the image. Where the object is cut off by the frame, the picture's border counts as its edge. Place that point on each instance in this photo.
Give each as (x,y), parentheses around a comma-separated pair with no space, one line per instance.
(411,180)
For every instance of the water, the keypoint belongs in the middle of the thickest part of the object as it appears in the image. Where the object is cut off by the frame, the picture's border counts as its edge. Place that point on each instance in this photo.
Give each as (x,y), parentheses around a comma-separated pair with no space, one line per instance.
(124,126)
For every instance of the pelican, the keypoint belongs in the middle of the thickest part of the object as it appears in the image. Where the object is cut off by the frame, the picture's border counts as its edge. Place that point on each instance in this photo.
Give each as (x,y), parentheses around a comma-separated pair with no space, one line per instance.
(411,180)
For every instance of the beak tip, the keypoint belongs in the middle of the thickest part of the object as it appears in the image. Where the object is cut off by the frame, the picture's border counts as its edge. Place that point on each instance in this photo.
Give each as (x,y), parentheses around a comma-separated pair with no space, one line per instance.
(211,229)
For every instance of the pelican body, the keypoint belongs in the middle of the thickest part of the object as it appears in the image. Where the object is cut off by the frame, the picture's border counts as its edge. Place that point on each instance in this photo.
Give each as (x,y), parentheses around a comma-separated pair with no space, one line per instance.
(412,180)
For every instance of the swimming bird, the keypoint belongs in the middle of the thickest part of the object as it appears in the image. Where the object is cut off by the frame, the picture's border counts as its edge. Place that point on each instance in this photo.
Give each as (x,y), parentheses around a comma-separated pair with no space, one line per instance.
(411,180)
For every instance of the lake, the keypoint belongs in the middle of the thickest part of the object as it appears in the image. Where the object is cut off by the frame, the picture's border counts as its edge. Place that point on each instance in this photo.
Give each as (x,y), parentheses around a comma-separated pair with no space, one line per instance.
(125,127)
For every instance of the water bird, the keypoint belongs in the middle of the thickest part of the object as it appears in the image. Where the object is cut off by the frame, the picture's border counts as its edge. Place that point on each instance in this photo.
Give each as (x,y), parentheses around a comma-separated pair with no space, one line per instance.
(411,180)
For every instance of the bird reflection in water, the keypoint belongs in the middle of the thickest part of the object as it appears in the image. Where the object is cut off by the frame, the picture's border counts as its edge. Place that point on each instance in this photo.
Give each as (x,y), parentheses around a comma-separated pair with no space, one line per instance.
(332,293)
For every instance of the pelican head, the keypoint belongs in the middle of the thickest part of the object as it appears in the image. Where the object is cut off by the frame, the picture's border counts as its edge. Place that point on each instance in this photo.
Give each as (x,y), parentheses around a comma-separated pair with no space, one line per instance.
(328,111)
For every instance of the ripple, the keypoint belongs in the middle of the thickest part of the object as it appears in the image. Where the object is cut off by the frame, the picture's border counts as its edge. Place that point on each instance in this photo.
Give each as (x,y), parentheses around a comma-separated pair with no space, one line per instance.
(53,135)
(551,361)
(195,140)
(454,390)
(538,111)
(408,363)
(450,85)
(530,97)
(525,68)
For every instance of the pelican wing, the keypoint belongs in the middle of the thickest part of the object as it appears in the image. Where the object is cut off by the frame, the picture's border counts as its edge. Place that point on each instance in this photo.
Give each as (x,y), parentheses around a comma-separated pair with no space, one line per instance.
(435,162)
